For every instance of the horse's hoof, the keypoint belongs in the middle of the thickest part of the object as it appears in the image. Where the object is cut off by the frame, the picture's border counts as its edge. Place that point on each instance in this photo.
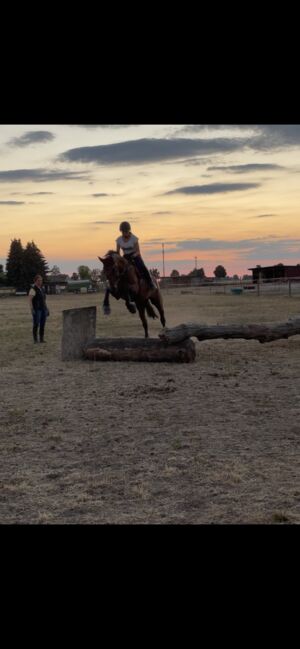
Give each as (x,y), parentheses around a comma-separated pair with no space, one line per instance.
(131,307)
(106,310)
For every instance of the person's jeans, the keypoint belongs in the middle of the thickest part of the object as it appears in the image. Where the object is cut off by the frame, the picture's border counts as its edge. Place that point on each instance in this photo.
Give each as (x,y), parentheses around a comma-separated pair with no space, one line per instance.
(39,320)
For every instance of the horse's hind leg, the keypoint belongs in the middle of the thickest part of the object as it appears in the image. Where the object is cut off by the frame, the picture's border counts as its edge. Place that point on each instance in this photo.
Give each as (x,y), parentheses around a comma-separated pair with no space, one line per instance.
(105,305)
(157,301)
(141,310)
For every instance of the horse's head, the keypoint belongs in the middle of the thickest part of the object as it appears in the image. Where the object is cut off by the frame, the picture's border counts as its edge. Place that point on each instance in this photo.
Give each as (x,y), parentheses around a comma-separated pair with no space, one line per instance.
(114,267)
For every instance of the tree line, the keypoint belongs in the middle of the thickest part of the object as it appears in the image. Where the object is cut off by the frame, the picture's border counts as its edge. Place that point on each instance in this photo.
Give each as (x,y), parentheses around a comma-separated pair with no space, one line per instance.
(22,264)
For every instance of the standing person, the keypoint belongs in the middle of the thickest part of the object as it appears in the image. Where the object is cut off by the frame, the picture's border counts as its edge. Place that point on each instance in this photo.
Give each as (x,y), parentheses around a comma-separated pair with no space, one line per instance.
(129,244)
(38,308)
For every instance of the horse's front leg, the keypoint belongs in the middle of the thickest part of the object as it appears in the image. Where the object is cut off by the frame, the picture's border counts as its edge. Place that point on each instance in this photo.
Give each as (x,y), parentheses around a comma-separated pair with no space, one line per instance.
(130,294)
(105,305)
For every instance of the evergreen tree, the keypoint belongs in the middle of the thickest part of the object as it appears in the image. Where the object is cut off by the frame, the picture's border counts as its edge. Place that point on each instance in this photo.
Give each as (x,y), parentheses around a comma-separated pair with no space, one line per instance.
(34,263)
(14,265)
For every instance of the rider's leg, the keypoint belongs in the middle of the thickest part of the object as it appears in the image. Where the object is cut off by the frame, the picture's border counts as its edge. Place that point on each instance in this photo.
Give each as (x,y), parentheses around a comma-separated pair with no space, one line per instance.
(144,270)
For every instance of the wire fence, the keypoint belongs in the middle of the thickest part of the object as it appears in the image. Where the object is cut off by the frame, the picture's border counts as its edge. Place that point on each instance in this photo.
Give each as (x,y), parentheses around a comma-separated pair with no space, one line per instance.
(284,286)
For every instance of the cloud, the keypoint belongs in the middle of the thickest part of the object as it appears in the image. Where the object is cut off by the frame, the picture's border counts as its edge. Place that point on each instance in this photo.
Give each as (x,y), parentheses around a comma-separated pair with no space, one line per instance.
(31,137)
(271,247)
(261,216)
(39,175)
(214,188)
(149,150)
(103,125)
(262,137)
(12,203)
(101,194)
(245,168)
(103,222)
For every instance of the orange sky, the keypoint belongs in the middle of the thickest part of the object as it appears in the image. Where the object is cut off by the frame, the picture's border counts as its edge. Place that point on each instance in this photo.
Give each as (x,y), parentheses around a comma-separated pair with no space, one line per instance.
(224,194)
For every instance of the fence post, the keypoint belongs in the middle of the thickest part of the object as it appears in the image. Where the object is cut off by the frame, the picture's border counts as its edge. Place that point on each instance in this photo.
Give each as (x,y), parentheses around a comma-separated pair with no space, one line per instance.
(290,288)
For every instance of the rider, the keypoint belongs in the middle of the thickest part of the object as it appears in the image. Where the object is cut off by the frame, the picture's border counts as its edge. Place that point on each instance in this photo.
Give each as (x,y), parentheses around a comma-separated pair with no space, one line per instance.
(129,244)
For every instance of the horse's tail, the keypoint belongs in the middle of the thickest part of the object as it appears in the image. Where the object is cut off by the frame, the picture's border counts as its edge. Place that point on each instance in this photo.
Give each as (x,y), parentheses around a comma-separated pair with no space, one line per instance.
(150,311)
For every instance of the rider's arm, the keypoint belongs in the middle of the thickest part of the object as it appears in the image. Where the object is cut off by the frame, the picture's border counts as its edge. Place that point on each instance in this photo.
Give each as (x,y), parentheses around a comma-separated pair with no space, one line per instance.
(118,248)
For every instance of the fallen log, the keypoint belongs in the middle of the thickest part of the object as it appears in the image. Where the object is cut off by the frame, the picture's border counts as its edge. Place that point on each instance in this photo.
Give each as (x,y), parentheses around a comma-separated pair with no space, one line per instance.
(265,333)
(139,349)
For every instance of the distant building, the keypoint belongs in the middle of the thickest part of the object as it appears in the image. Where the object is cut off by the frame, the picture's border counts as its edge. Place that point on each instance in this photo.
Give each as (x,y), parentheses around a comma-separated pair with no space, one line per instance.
(79,285)
(56,283)
(278,271)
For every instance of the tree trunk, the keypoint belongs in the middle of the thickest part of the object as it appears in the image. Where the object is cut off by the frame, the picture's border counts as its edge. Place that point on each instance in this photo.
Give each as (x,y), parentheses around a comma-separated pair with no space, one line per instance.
(263,332)
(139,349)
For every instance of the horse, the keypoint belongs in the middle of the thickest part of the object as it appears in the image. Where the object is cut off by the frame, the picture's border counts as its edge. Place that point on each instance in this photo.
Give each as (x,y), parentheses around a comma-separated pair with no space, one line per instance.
(125,283)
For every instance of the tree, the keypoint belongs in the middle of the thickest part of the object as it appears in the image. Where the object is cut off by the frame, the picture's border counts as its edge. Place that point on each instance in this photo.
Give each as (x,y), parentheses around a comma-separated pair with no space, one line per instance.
(96,277)
(2,276)
(84,272)
(14,265)
(155,272)
(197,272)
(75,276)
(235,277)
(220,272)
(175,273)
(55,271)
(34,263)
(247,277)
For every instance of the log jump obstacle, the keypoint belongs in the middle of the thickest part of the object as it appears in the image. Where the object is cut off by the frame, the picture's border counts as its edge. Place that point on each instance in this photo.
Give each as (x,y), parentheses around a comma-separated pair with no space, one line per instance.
(172,345)
(79,341)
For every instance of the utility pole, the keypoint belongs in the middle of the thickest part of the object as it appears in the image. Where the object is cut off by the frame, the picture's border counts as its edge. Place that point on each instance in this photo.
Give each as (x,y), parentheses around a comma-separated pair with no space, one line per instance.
(163,256)
(196,259)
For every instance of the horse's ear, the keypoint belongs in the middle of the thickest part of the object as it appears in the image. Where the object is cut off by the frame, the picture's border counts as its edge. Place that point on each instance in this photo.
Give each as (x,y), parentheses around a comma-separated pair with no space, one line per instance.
(101,259)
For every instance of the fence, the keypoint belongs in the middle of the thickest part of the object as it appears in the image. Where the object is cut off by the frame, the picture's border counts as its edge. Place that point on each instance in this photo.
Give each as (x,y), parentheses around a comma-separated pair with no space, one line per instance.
(289,286)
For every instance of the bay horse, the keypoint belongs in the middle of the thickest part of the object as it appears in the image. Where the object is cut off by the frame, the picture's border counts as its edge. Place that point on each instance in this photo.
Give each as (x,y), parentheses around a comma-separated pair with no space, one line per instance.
(125,283)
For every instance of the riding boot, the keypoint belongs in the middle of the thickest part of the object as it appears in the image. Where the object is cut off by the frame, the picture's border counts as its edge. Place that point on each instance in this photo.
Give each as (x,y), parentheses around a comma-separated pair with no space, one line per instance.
(42,329)
(34,332)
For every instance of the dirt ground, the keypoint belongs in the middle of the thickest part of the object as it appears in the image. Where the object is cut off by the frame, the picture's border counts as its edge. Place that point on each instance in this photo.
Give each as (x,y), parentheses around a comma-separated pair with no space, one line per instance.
(215,441)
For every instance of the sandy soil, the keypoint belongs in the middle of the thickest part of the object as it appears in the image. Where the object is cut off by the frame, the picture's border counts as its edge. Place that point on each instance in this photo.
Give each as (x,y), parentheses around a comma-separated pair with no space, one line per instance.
(215,441)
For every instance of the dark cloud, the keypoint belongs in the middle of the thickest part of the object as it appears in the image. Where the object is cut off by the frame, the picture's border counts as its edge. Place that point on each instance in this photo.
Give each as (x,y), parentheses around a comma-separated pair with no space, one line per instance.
(214,188)
(102,222)
(39,175)
(245,168)
(261,216)
(31,137)
(148,150)
(12,203)
(166,212)
(101,194)
(261,248)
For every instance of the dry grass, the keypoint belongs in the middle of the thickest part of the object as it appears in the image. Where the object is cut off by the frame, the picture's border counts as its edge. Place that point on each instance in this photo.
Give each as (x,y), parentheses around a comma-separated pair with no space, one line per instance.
(216,441)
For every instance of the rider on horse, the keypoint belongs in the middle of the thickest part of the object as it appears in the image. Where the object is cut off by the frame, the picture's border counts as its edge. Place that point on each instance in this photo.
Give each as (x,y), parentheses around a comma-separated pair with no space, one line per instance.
(129,244)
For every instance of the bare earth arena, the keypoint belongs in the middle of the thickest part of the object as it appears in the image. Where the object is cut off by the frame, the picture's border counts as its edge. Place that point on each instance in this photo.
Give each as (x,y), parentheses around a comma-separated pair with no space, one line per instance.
(215,441)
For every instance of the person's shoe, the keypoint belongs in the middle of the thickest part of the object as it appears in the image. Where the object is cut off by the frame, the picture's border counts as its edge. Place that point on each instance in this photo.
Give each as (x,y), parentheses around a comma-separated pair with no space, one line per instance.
(42,341)
(35,342)
(106,310)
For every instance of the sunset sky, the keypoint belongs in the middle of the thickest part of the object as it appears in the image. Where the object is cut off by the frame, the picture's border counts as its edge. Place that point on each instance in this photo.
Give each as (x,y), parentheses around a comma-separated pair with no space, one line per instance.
(227,195)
